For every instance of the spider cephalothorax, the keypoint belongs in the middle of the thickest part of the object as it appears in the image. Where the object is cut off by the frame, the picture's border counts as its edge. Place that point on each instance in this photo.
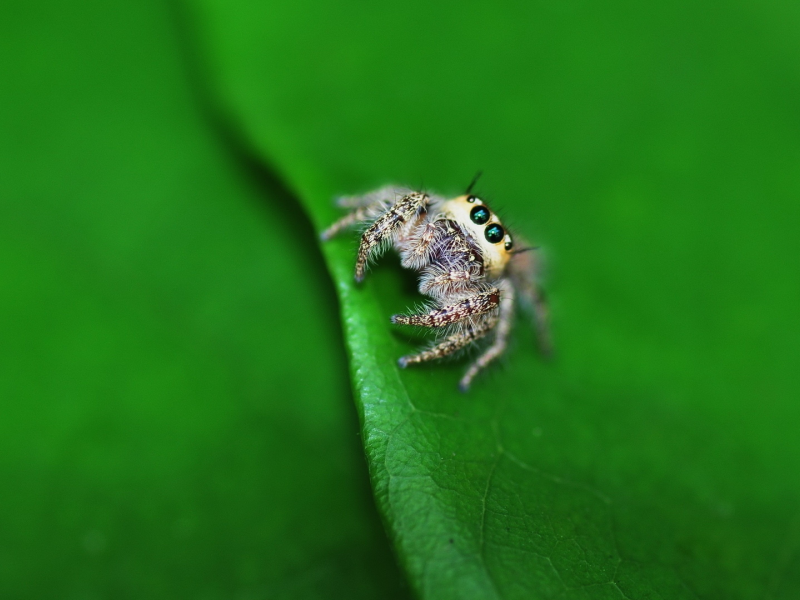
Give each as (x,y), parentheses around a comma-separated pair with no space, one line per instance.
(467,261)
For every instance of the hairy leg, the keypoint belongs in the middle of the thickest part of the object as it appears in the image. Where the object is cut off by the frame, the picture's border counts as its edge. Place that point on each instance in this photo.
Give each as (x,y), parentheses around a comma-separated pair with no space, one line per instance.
(500,341)
(387,193)
(473,306)
(451,344)
(386,227)
(459,265)
(367,206)
(415,250)
(541,321)
(524,270)
(443,282)
(357,216)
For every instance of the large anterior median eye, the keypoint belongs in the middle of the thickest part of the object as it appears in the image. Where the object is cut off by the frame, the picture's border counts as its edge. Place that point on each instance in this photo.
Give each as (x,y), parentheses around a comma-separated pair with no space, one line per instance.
(494,233)
(480,215)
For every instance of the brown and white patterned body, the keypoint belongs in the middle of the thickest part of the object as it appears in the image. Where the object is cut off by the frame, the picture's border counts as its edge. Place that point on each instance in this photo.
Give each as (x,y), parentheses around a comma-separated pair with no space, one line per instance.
(467,265)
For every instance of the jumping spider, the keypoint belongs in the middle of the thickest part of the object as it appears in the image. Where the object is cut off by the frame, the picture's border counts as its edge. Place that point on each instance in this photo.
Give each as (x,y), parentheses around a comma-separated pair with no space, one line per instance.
(467,264)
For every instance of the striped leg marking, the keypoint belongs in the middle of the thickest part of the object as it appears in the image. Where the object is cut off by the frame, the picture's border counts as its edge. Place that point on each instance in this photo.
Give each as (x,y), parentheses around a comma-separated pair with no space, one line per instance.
(500,340)
(450,344)
(386,226)
(452,313)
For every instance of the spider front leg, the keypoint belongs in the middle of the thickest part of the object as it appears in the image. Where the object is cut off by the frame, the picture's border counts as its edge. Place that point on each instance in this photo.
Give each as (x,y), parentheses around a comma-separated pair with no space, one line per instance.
(500,341)
(415,248)
(451,344)
(386,193)
(386,227)
(357,216)
(367,206)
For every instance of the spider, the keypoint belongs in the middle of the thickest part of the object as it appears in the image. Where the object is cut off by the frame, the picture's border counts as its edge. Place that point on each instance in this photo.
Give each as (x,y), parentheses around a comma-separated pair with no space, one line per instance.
(467,263)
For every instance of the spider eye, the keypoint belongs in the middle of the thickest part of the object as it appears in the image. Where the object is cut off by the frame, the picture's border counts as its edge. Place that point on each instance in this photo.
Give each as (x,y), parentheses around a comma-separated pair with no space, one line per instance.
(471,199)
(480,215)
(509,244)
(494,233)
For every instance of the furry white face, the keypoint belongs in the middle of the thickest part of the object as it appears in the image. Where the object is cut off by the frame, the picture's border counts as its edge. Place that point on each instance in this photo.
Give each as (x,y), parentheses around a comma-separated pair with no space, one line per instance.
(483,225)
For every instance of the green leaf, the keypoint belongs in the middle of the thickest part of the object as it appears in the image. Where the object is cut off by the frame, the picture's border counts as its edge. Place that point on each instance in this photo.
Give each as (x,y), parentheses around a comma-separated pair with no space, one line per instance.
(652,149)
(160,436)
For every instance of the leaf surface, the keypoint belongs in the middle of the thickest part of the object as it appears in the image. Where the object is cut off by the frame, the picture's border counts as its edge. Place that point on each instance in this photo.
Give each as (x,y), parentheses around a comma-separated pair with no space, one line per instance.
(652,151)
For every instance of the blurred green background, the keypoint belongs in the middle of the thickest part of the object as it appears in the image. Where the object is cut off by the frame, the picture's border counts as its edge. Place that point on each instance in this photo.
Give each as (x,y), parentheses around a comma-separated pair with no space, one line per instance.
(160,436)
(177,419)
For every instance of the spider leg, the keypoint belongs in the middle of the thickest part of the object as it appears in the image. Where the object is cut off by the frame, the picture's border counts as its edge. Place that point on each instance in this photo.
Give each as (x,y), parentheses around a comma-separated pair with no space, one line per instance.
(360,214)
(444,282)
(415,250)
(451,344)
(387,193)
(474,306)
(387,226)
(541,321)
(500,341)
(365,207)
(524,270)
(458,269)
